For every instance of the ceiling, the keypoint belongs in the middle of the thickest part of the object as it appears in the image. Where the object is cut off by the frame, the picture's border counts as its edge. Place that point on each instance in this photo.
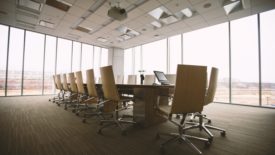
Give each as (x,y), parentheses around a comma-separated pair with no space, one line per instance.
(138,19)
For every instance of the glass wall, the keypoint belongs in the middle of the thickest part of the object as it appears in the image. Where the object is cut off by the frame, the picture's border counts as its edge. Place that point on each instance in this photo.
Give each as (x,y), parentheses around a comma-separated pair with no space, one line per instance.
(137,59)
(76,57)
(31,59)
(16,49)
(64,53)
(33,64)
(4,31)
(244,57)
(268,57)
(97,54)
(200,49)
(128,61)
(174,44)
(154,56)
(49,69)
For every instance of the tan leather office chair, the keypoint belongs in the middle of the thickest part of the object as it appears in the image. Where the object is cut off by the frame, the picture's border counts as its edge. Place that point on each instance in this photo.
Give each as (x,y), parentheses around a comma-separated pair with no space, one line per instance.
(188,98)
(58,96)
(81,93)
(93,97)
(74,91)
(149,79)
(113,101)
(119,79)
(132,79)
(209,98)
(60,88)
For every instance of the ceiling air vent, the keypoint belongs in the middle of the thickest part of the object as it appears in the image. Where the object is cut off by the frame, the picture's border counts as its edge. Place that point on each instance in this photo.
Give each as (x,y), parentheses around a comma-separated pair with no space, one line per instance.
(83,29)
(59,4)
(29,5)
(46,24)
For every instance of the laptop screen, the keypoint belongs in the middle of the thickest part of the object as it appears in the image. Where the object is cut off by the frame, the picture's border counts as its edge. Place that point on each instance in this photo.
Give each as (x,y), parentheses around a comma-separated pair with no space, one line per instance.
(161,76)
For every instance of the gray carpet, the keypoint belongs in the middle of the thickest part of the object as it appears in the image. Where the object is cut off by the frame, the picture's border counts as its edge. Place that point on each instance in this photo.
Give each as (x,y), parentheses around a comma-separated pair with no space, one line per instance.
(32,125)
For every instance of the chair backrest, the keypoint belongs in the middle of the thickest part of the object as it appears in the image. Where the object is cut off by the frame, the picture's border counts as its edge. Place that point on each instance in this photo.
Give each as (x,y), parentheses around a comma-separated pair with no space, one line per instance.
(72,82)
(171,78)
(58,81)
(79,82)
(132,79)
(212,86)
(190,89)
(149,79)
(64,82)
(91,83)
(119,79)
(108,83)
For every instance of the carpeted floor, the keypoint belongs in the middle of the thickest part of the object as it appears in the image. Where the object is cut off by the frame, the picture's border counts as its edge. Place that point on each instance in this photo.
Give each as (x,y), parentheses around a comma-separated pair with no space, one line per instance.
(32,126)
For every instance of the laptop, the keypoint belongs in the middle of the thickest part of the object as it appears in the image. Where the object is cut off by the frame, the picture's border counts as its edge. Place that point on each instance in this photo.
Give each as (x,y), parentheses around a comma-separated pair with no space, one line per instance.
(161,78)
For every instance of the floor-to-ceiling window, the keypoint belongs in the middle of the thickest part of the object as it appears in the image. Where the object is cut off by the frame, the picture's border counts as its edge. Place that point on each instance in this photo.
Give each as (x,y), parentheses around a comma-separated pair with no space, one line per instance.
(76,56)
(4,31)
(244,60)
(128,61)
(33,63)
(49,69)
(104,57)
(64,52)
(209,47)
(268,57)
(15,61)
(174,44)
(154,56)
(97,54)
(87,59)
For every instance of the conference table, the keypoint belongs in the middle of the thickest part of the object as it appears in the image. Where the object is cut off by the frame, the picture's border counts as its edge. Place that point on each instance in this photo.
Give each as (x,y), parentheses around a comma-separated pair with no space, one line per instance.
(145,99)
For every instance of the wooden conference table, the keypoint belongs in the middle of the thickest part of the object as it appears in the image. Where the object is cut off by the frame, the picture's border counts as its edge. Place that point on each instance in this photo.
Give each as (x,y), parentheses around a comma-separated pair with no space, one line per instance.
(146,97)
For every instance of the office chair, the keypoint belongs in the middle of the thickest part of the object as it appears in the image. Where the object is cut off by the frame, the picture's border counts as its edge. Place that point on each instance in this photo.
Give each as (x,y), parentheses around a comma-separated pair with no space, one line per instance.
(113,101)
(82,94)
(58,96)
(60,88)
(188,98)
(209,98)
(74,91)
(93,99)
(119,79)
(149,79)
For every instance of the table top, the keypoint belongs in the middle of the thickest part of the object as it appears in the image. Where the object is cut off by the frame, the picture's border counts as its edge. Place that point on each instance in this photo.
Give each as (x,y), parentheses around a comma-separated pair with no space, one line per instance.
(142,86)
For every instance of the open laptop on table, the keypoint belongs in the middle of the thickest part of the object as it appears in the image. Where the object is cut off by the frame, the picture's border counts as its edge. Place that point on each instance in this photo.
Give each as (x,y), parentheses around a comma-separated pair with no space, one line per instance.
(161,78)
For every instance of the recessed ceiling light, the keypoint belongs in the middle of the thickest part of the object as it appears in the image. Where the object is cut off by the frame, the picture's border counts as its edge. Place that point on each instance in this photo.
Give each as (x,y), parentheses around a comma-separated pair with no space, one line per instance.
(102,39)
(46,24)
(187,12)
(84,29)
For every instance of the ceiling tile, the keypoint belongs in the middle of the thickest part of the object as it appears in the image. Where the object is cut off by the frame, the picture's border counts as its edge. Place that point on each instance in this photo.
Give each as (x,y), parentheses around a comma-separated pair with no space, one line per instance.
(177,5)
(215,13)
(200,6)
(150,5)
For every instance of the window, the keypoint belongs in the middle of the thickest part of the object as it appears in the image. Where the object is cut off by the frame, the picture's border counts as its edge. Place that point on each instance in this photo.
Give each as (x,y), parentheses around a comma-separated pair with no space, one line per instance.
(49,70)
(76,56)
(174,53)
(209,47)
(104,57)
(64,52)
(4,31)
(268,57)
(137,54)
(16,48)
(245,67)
(87,59)
(128,61)
(33,63)
(154,56)
(97,51)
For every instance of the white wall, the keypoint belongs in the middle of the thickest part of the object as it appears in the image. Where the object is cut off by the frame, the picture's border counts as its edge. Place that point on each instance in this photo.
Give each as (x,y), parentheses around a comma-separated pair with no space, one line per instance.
(116,58)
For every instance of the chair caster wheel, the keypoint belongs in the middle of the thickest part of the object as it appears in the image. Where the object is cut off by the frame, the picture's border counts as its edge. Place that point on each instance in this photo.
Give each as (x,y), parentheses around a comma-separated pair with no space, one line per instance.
(223,133)
(209,121)
(53,101)
(65,108)
(77,114)
(58,105)
(49,99)
(84,121)
(157,136)
(207,144)
(73,110)
(210,140)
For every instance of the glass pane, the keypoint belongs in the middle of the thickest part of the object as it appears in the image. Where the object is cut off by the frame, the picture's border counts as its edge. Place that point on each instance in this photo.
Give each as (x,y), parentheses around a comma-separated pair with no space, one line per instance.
(104,57)
(137,53)
(154,56)
(15,61)
(76,56)
(128,61)
(4,31)
(64,52)
(209,47)
(175,53)
(33,64)
(96,61)
(245,67)
(87,59)
(268,58)
(50,55)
